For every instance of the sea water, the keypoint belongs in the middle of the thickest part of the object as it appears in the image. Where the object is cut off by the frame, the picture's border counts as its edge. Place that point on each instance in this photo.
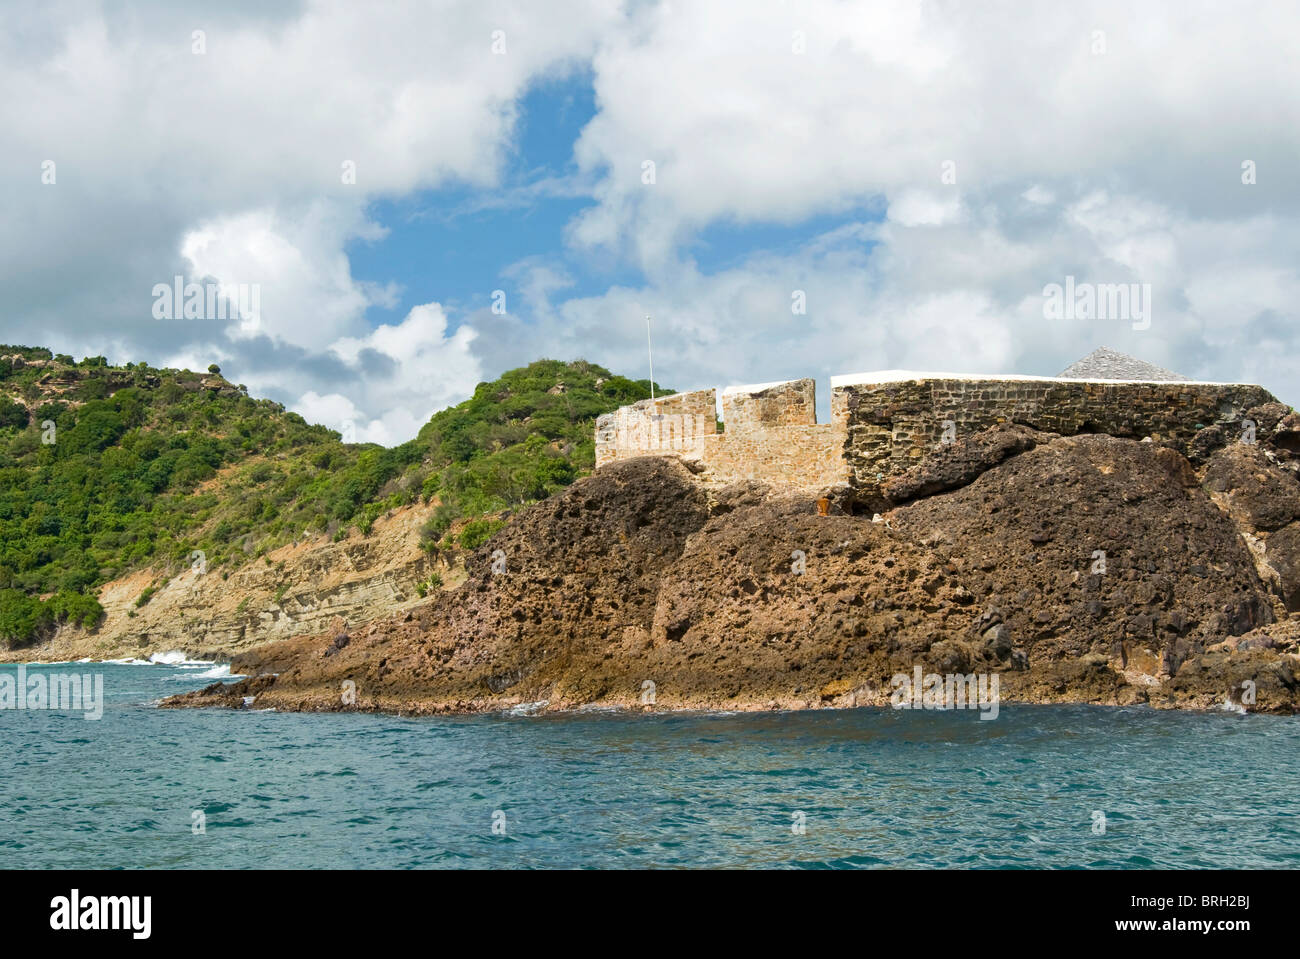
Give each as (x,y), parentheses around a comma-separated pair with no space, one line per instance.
(1041,786)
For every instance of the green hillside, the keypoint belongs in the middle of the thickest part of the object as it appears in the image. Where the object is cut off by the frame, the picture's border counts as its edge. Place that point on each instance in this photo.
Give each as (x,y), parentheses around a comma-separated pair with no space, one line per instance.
(104,470)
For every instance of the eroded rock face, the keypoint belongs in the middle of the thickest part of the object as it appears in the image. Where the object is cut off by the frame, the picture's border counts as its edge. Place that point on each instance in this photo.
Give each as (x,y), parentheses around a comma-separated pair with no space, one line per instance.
(1096,545)
(1256,491)
(1282,552)
(1087,568)
(961,462)
(300,591)
(1258,485)
(571,586)
(774,598)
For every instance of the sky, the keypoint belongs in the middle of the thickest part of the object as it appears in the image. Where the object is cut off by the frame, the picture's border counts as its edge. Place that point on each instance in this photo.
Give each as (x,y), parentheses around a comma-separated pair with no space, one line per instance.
(424,195)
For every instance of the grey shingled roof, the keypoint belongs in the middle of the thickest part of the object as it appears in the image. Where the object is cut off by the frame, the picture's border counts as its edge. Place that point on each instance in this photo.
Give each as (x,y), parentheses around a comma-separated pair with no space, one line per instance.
(1106,364)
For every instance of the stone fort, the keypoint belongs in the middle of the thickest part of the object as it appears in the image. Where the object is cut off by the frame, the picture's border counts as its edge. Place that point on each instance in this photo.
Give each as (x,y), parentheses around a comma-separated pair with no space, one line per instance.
(885,422)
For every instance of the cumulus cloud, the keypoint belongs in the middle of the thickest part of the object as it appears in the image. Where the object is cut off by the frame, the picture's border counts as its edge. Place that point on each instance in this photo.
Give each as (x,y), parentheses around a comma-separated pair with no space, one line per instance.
(407,372)
(295,259)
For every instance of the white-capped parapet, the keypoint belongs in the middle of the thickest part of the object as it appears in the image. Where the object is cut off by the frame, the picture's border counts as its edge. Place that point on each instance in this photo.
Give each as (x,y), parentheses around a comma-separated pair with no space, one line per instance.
(676,423)
(767,405)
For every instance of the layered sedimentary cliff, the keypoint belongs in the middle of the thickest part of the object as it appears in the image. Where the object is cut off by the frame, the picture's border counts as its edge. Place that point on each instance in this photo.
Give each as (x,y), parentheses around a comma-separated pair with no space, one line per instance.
(1085,568)
(299,588)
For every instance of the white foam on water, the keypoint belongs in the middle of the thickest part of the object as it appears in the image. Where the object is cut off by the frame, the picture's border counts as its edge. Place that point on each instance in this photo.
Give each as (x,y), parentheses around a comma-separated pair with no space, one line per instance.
(220,671)
(172,658)
(176,658)
(528,709)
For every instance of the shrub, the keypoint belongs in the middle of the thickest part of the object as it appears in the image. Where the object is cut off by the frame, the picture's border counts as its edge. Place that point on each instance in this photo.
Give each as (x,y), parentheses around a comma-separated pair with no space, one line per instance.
(12,415)
(478,532)
(434,581)
(437,524)
(23,618)
(76,608)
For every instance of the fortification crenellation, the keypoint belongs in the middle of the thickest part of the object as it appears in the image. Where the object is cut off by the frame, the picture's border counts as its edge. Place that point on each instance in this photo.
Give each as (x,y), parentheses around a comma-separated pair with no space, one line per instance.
(677,423)
(885,422)
(768,405)
(771,434)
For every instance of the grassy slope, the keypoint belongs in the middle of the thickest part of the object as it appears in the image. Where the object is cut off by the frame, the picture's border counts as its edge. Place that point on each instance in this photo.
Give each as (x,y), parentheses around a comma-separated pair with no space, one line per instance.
(148,466)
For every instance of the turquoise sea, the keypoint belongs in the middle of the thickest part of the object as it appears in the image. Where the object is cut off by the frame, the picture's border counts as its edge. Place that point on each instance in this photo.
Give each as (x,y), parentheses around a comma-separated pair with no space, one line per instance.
(1040,786)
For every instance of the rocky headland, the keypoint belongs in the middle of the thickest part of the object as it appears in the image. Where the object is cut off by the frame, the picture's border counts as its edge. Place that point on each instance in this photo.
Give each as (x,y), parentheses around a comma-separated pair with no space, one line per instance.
(1086,568)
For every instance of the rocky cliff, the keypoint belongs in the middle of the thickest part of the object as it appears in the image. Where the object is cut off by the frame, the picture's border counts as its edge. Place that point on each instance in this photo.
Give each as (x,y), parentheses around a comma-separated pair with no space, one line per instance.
(1079,569)
(299,588)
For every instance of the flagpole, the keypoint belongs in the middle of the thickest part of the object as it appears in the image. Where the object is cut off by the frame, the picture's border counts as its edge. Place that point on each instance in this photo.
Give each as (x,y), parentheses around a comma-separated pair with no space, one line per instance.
(651,352)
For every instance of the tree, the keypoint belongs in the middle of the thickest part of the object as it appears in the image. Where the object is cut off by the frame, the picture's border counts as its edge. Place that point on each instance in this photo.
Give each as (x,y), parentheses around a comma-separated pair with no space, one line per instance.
(22,618)
(214,369)
(12,415)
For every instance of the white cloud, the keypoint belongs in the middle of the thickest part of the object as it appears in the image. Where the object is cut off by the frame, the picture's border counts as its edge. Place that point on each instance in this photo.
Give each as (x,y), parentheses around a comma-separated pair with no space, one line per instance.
(1038,195)
(403,374)
(333,410)
(308,296)
(229,164)
(1123,166)
(925,208)
(1112,167)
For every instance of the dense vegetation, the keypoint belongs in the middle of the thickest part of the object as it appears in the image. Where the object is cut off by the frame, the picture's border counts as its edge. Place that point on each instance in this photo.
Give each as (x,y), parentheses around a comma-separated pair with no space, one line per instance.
(516,440)
(108,469)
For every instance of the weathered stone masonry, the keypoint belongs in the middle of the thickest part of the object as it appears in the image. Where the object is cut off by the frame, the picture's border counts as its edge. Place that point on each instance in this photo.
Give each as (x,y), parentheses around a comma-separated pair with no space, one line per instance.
(884,423)
(893,424)
(771,435)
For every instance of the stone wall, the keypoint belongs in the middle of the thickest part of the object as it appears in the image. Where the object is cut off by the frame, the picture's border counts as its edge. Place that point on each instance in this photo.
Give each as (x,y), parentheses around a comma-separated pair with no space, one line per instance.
(880,428)
(771,435)
(892,425)
(768,405)
(809,457)
(677,423)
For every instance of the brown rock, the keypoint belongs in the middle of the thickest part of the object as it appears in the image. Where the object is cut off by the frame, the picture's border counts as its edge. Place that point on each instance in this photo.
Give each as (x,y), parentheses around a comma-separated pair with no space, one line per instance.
(734,598)
(1283,554)
(1256,491)
(961,462)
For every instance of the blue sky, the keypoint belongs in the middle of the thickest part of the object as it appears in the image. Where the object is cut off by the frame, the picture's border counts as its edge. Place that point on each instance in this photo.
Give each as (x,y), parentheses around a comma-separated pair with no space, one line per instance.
(456,244)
